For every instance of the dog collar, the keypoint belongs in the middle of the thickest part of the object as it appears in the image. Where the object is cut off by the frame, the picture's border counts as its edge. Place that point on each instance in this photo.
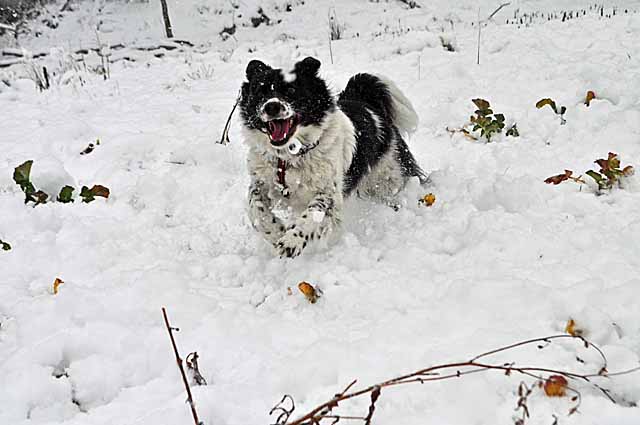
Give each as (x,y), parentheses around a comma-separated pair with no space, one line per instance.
(281,168)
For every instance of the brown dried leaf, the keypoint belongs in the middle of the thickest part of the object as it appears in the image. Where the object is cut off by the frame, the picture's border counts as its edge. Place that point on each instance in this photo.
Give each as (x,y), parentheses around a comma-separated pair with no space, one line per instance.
(309,292)
(555,386)
(571,328)
(99,190)
(56,284)
(628,171)
(590,96)
(559,178)
(547,101)
(428,200)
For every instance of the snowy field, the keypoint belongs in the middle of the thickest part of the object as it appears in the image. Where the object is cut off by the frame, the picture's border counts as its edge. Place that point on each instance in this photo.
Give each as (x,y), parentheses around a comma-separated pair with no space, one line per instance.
(500,257)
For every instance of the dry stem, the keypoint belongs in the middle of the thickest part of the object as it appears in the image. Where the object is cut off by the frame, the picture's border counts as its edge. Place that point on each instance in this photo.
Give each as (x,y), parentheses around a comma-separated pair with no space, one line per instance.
(179,361)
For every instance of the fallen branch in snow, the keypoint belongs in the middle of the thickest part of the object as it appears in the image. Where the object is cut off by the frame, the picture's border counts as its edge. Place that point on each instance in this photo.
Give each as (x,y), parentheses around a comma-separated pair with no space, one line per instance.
(550,382)
(179,361)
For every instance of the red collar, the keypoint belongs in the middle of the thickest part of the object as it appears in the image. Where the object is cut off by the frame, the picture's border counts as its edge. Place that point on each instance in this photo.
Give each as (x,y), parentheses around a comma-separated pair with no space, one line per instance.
(280,174)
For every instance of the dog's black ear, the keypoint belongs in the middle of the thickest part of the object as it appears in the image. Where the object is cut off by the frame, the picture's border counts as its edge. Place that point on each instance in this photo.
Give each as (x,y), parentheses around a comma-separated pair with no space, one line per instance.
(256,67)
(307,66)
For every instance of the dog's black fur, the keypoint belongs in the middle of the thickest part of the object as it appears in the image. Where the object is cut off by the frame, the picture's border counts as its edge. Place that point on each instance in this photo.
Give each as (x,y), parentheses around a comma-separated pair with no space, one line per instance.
(373,139)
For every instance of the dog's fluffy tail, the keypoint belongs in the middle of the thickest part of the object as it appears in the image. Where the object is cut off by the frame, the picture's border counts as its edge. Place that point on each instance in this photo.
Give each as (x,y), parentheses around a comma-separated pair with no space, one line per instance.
(384,98)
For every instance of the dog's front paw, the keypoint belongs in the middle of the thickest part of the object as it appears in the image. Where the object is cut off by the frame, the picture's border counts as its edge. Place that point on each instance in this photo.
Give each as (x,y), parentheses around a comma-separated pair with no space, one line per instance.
(291,244)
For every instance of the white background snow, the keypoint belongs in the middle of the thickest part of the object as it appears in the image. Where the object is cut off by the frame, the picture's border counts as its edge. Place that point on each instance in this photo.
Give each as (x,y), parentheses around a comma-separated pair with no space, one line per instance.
(500,256)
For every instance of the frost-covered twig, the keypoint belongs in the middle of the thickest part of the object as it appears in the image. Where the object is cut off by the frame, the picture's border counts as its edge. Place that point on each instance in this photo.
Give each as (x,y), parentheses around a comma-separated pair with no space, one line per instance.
(179,361)
(487,20)
(459,369)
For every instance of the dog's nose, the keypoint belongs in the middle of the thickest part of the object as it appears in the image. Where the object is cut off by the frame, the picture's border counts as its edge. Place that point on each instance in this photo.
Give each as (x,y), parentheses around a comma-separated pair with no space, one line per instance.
(272,108)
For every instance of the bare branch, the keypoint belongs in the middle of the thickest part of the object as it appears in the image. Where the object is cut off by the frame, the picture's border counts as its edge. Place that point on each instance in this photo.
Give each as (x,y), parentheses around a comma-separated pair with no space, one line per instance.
(459,369)
(179,361)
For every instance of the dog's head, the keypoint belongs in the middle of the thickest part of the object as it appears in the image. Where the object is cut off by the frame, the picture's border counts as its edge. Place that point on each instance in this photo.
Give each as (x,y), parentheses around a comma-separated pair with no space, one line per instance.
(280,104)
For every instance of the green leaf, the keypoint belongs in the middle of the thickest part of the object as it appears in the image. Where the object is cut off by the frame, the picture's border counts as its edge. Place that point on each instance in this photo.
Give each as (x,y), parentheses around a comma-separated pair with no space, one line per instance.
(22,175)
(5,245)
(86,194)
(499,117)
(22,172)
(66,195)
(595,175)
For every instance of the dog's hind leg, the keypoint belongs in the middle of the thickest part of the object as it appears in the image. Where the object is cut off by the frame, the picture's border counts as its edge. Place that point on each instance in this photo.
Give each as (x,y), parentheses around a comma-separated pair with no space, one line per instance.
(408,165)
(260,215)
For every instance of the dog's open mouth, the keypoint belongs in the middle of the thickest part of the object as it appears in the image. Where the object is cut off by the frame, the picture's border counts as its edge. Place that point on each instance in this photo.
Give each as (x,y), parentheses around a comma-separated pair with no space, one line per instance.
(281,130)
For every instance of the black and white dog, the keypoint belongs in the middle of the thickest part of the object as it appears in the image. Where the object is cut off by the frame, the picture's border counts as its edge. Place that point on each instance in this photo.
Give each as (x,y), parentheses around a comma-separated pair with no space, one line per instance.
(308,151)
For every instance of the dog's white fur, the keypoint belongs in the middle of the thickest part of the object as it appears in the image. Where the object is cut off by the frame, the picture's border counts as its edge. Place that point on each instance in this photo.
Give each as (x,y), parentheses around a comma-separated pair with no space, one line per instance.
(313,208)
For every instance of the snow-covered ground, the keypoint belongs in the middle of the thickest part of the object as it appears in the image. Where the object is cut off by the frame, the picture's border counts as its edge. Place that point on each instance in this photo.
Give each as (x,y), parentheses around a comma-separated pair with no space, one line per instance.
(500,256)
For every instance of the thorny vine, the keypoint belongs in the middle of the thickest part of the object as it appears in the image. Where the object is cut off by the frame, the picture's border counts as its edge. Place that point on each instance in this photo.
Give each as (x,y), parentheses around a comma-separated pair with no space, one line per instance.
(324,411)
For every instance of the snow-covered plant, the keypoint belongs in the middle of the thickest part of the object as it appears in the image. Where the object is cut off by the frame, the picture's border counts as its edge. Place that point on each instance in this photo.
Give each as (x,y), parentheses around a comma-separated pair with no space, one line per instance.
(552,104)
(38,74)
(4,245)
(22,177)
(609,176)
(486,120)
(201,72)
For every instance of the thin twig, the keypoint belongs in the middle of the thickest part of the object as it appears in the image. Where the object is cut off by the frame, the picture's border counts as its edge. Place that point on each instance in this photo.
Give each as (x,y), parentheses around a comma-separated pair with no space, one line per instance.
(464,368)
(179,361)
(484,21)
(224,140)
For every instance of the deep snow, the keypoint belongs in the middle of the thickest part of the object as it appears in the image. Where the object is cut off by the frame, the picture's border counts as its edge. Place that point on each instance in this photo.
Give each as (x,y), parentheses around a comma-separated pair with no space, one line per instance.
(500,257)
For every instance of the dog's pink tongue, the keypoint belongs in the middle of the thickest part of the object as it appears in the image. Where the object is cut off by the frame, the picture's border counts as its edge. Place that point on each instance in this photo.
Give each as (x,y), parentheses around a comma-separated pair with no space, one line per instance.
(279,129)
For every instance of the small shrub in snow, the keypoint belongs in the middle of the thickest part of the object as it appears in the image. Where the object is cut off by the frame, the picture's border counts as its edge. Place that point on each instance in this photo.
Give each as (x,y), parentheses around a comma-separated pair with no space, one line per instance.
(552,104)
(485,120)
(22,177)
(609,176)
(5,245)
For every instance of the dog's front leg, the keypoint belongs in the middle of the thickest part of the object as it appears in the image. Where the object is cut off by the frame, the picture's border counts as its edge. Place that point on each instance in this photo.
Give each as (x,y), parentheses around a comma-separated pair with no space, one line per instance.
(316,221)
(260,215)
